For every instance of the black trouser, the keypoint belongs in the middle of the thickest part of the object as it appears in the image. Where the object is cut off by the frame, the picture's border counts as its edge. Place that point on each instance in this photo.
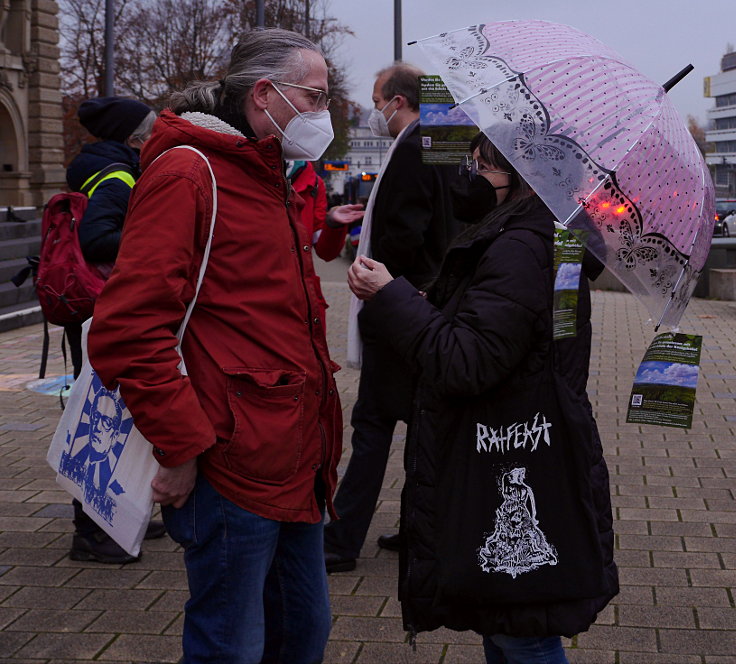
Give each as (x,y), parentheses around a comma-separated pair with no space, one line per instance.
(73,332)
(384,398)
(83,524)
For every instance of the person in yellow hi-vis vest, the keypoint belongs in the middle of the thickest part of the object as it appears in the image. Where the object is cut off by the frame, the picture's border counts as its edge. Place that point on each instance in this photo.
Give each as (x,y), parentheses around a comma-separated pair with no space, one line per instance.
(106,172)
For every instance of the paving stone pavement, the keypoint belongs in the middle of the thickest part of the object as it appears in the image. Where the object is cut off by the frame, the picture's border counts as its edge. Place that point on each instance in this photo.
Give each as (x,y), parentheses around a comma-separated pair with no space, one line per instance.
(673,496)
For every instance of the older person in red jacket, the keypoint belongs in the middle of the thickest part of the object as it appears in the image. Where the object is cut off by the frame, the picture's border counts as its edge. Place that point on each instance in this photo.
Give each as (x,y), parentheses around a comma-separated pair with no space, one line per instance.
(249,441)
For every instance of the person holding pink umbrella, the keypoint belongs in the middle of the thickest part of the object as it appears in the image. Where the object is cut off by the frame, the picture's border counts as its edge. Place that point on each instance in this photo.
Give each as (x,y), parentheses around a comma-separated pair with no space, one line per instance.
(506,516)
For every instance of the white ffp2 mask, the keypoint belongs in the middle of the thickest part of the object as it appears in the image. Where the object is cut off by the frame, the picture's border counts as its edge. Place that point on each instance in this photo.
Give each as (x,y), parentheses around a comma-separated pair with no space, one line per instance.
(307,135)
(377,120)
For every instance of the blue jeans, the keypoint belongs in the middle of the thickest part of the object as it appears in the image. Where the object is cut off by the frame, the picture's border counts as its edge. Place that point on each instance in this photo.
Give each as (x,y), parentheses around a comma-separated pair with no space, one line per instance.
(258,588)
(502,649)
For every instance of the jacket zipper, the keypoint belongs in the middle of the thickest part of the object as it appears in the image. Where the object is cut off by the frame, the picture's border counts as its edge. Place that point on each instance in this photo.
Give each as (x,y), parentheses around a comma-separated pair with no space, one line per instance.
(412,464)
(323,391)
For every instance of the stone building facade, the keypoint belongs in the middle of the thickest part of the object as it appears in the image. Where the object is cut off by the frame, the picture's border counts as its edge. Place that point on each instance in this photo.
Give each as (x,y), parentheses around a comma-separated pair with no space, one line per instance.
(31,146)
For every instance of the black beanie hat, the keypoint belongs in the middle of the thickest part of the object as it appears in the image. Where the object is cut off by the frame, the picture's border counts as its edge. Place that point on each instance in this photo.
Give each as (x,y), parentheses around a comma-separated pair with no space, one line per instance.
(112,118)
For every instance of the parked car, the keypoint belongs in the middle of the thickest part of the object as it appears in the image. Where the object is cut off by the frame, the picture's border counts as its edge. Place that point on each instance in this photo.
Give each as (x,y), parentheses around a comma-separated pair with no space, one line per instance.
(725,217)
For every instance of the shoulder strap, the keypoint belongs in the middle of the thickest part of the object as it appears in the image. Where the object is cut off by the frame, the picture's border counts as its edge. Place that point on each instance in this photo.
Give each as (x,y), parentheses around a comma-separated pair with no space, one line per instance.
(208,246)
(110,171)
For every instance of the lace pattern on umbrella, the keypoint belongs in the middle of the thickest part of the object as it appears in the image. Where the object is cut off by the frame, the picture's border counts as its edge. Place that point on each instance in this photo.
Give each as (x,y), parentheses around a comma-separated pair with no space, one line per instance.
(523,130)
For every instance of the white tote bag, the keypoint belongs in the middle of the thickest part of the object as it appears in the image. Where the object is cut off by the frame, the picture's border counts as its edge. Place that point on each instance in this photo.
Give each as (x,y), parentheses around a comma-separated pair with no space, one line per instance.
(99,455)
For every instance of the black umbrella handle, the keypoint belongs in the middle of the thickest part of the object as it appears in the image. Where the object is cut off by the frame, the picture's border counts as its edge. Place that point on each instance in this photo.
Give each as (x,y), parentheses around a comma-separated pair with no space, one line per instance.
(677,78)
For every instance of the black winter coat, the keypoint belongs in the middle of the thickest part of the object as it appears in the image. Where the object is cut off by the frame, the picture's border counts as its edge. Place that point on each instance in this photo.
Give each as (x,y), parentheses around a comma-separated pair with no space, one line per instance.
(413,222)
(485,330)
(411,229)
(102,225)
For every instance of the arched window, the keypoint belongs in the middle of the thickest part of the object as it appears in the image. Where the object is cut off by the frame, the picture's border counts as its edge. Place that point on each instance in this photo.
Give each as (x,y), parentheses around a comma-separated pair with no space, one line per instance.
(8,140)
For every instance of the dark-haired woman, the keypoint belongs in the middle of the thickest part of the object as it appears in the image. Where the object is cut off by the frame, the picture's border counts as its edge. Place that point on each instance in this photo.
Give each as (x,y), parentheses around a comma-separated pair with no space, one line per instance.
(479,338)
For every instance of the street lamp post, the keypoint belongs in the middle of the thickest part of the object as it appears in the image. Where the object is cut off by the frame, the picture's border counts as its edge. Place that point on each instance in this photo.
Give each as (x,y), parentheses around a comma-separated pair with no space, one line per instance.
(260,14)
(397,30)
(306,19)
(109,84)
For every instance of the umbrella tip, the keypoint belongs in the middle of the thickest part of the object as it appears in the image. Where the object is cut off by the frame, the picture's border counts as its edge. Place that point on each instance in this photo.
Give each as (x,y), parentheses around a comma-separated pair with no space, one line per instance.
(677,78)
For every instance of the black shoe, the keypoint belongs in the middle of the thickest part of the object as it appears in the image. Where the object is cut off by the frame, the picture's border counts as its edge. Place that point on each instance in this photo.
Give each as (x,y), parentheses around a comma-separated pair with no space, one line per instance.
(389,542)
(155,530)
(101,548)
(335,563)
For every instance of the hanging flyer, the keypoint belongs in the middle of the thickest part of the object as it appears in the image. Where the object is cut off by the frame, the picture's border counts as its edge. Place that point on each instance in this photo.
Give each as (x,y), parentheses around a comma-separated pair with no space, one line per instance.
(569,250)
(664,386)
(445,129)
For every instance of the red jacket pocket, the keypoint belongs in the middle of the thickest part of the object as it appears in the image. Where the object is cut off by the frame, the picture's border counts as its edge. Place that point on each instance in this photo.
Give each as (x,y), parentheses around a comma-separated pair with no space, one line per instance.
(267,406)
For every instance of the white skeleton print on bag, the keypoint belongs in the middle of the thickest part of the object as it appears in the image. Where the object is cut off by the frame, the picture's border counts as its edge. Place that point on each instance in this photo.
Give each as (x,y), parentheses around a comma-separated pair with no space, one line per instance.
(517,544)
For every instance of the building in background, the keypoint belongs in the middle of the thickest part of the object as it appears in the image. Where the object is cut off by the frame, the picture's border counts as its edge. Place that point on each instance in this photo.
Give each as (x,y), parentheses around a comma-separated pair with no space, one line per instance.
(721,133)
(31,155)
(367,152)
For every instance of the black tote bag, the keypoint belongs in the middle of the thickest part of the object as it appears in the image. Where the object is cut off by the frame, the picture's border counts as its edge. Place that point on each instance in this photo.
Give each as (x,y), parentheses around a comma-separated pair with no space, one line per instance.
(517,523)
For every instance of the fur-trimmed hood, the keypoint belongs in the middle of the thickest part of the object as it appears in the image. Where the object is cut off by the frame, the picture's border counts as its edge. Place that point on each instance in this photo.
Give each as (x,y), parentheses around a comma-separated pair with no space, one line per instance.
(207,132)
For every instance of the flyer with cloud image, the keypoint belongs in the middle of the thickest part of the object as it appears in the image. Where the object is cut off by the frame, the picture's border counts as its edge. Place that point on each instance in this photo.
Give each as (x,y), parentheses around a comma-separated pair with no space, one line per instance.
(568,264)
(665,384)
(445,129)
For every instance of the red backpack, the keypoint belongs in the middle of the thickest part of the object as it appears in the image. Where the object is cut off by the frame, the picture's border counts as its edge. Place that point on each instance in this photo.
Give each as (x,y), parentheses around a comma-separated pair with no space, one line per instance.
(66,284)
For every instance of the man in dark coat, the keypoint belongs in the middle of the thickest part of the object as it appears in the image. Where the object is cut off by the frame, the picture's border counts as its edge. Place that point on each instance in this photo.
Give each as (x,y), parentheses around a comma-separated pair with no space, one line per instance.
(411,226)
(123,126)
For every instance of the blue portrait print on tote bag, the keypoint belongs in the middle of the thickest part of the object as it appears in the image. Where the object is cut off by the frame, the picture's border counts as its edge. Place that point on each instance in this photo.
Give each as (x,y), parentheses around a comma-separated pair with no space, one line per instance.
(94,448)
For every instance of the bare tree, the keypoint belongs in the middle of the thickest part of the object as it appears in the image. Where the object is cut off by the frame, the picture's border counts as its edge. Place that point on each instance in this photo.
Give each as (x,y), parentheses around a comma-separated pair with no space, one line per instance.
(164,45)
(697,131)
(82,27)
(161,45)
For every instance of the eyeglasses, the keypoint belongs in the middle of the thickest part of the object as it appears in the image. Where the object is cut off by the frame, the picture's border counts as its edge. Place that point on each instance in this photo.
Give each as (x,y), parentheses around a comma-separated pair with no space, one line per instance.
(471,168)
(320,99)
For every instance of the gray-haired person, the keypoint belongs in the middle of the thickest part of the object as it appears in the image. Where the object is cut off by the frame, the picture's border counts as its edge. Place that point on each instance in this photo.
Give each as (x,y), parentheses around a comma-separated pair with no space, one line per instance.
(249,440)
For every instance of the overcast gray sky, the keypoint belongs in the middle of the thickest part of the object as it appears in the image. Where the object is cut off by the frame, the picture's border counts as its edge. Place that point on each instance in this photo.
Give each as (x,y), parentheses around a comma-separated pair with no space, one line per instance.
(659,37)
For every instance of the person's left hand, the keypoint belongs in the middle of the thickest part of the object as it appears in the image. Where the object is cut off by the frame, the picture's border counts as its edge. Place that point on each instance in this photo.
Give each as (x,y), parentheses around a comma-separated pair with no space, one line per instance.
(345,214)
(172,486)
(366,277)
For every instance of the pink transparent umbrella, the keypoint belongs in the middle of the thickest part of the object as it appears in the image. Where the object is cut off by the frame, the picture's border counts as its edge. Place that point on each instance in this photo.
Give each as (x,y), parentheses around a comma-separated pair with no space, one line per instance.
(600,143)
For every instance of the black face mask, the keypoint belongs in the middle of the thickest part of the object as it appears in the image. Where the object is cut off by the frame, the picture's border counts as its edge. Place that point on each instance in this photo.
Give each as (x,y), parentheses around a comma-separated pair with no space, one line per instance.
(472,199)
